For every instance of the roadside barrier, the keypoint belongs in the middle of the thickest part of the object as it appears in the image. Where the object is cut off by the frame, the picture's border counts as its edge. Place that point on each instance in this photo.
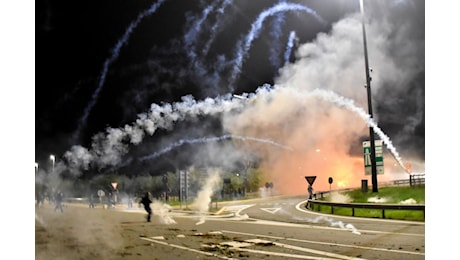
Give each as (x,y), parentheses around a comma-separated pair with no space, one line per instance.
(312,204)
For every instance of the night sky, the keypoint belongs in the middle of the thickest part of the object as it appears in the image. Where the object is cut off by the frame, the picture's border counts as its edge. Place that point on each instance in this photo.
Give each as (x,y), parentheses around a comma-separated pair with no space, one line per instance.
(85,83)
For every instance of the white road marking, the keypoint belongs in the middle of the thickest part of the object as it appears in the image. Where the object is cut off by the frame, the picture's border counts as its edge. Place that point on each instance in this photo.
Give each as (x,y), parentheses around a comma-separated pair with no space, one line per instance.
(281,254)
(184,248)
(271,210)
(325,243)
(241,248)
(328,217)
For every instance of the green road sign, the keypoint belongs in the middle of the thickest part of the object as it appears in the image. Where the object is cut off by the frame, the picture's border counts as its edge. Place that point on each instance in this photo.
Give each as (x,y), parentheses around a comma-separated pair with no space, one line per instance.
(378,157)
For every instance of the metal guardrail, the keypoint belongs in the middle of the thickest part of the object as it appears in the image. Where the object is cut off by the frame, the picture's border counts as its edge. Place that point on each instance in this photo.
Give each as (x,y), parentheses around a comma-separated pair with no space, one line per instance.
(353,206)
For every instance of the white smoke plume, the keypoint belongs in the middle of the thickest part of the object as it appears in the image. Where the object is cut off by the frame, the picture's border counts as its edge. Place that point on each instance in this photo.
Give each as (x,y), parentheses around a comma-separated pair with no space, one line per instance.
(163,211)
(203,199)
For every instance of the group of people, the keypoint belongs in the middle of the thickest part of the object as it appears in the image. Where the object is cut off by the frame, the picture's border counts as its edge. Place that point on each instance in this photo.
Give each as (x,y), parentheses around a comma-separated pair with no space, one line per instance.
(145,201)
(56,199)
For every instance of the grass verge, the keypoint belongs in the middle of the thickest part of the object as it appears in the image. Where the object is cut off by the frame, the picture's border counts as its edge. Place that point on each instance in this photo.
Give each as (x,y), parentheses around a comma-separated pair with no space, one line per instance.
(388,195)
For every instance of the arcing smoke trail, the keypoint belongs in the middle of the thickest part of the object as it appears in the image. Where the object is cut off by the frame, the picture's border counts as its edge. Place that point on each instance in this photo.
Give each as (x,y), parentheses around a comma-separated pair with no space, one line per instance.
(107,148)
(349,104)
(243,50)
(215,26)
(190,39)
(192,34)
(209,139)
(109,61)
(289,46)
(276,36)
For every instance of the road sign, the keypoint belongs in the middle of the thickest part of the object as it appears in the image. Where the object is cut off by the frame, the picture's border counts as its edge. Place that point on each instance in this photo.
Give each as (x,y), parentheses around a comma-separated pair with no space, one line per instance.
(100,193)
(310,179)
(378,157)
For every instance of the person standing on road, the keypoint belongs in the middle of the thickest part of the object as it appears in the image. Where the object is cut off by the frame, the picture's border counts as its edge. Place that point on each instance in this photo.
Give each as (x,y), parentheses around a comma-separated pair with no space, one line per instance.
(146,201)
(58,201)
(91,200)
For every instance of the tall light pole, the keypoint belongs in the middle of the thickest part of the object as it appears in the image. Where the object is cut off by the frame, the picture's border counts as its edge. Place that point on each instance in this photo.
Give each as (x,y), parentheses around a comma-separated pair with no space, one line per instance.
(53,159)
(369,102)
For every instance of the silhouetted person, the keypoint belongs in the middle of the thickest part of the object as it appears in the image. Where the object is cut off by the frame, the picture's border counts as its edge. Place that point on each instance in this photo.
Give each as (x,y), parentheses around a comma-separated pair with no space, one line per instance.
(310,191)
(146,201)
(130,201)
(91,200)
(58,202)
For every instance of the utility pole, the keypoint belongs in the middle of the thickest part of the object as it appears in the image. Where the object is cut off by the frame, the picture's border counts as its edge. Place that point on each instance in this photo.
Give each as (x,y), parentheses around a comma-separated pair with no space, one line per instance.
(369,103)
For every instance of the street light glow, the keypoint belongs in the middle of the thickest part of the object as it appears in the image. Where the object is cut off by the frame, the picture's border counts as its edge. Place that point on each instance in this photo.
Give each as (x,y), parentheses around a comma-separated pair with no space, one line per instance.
(53,159)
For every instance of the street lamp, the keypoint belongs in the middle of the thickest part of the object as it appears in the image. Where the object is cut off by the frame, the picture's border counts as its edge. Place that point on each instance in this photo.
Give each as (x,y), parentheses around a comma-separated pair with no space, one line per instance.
(53,159)
(369,103)
(36,167)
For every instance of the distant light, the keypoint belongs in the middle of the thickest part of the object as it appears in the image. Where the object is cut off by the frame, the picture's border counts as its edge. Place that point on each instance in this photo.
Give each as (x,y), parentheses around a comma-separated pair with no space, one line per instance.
(318,150)
(36,165)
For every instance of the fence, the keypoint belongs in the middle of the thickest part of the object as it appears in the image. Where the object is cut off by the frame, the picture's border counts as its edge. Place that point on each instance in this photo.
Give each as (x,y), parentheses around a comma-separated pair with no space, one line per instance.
(414,179)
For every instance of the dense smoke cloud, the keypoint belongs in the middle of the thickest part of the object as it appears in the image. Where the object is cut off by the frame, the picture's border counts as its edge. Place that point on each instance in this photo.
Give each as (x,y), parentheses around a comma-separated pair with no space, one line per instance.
(332,61)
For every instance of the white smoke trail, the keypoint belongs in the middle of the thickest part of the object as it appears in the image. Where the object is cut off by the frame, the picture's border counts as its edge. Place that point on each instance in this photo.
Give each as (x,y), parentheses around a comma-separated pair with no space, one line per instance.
(203,200)
(210,139)
(190,39)
(215,27)
(349,104)
(110,60)
(276,33)
(290,44)
(256,26)
(329,220)
(107,148)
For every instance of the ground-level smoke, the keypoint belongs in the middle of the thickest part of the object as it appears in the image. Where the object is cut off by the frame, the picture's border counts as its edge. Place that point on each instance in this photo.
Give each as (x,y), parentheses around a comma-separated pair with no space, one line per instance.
(203,199)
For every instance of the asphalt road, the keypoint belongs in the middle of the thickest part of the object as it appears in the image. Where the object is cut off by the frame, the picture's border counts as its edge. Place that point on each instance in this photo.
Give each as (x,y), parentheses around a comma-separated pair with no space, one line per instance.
(280,227)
